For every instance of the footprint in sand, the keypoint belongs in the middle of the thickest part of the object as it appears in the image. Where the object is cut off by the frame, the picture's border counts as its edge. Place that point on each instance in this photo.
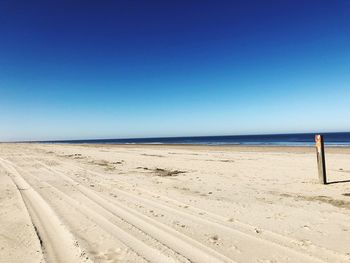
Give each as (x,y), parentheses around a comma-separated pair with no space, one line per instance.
(279,216)
(111,255)
(214,239)
(306,227)
(266,261)
(304,243)
(236,249)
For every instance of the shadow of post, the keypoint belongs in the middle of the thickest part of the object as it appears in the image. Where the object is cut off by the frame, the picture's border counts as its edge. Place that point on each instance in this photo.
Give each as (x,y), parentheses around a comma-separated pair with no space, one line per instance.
(339,182)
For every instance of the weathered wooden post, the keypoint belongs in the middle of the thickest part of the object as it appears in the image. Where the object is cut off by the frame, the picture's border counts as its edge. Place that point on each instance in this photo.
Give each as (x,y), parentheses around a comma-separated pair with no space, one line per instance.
(321,162)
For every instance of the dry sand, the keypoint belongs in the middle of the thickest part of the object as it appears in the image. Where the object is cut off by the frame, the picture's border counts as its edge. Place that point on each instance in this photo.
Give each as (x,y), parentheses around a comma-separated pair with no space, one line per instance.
(104,203)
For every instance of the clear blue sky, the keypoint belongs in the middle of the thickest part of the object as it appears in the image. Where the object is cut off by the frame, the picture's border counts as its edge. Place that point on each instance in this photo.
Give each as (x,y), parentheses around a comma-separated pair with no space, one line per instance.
(116,69)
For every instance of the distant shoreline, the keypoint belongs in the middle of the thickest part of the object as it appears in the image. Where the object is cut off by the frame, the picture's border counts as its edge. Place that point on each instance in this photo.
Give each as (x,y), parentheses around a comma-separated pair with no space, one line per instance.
(209,148)
(335,139)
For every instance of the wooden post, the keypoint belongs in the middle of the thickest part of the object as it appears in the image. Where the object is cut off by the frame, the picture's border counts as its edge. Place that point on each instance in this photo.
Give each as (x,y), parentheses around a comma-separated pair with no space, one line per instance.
(321,162)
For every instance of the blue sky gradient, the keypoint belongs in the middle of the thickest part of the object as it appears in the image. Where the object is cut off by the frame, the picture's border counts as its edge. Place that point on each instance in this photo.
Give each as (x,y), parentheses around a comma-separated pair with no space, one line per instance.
(119,69)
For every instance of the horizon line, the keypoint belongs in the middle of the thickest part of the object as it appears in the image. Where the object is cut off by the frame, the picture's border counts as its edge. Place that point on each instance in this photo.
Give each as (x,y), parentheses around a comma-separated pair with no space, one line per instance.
(171,137)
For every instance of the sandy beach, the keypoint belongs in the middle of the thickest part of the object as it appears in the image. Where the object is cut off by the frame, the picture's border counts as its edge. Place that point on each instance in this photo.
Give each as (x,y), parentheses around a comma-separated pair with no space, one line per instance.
(162,203)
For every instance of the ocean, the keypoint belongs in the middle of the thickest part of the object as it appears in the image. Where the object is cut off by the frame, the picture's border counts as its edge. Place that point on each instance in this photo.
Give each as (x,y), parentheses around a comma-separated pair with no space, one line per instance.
(298,139)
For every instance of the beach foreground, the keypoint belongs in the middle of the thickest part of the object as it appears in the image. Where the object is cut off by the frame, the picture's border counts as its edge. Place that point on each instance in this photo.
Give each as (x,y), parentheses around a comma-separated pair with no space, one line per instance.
(150,203)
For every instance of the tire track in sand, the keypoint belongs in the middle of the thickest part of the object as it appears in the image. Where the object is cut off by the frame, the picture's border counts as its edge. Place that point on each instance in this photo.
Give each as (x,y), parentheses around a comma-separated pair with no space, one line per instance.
(142,249)
(182,244)
(57,242)
(277,241)
(288,245)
